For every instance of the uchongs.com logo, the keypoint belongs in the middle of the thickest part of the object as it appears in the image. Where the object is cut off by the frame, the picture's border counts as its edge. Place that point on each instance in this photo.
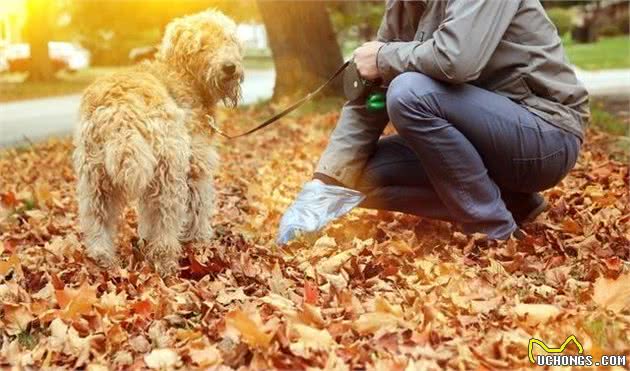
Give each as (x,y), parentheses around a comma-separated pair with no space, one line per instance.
(554,356)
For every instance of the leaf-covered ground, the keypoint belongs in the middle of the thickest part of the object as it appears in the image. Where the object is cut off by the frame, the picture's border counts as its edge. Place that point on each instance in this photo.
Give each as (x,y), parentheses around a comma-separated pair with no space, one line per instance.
(378,290)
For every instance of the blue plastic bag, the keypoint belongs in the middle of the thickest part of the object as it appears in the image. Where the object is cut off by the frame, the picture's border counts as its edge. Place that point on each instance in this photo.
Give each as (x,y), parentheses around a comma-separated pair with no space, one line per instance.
(315,206)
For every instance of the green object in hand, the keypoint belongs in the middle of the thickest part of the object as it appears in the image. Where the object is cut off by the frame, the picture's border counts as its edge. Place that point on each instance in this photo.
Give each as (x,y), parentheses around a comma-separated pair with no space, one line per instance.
(375,102)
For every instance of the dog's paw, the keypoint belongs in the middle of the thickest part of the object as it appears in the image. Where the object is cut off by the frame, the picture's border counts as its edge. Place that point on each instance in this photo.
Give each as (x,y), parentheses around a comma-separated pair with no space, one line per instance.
(104,259)
(199,237)
(206,236)
(165,268)
(163,257)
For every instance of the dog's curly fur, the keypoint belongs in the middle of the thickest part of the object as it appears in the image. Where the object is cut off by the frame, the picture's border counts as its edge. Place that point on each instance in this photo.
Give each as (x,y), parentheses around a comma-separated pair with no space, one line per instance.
(144,135)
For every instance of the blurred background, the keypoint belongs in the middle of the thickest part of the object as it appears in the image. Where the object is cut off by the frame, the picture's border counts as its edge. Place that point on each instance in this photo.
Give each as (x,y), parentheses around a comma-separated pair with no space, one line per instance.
(51,49)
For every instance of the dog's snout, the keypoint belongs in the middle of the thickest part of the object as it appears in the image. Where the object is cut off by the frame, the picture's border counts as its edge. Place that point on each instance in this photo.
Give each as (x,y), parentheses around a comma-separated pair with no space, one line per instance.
(228,68)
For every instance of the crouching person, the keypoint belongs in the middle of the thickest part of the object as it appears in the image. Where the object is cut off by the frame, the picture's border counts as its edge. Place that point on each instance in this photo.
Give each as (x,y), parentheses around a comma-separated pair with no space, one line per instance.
(487,111)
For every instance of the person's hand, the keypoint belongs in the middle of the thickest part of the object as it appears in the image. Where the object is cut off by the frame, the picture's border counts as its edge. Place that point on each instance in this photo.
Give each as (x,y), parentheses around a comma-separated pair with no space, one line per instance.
(365,59)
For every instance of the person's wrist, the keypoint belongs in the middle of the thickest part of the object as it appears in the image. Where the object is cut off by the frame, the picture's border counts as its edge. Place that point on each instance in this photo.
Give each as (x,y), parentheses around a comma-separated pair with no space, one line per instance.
(327,179)
(378,65)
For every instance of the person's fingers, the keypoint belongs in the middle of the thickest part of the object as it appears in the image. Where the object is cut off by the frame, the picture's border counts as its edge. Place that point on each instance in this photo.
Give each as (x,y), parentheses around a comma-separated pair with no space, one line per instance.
(284,237)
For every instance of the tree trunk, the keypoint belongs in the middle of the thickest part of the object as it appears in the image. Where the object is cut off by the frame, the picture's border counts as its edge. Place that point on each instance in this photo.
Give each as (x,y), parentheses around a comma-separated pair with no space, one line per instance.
(37,33)
(304,46)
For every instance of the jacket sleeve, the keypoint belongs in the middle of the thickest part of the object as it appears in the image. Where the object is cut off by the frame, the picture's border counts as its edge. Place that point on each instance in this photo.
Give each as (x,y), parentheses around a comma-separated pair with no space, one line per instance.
(460,47)
(400,20)
(385,31)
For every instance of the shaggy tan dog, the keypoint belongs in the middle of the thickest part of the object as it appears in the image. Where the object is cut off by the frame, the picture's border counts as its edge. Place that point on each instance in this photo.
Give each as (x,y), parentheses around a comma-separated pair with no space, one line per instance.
(144,135)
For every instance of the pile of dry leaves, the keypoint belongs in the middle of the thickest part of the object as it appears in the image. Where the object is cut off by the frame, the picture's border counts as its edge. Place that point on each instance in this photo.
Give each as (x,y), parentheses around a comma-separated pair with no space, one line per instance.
(377,290)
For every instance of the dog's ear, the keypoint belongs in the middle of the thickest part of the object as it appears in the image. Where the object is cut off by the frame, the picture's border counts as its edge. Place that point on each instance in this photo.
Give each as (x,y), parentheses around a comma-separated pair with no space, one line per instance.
(180,39)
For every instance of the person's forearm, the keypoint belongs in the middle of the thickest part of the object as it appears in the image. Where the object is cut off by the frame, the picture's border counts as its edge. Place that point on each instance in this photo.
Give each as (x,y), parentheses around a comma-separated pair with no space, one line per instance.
(460,48)
(394,58)
(352,143)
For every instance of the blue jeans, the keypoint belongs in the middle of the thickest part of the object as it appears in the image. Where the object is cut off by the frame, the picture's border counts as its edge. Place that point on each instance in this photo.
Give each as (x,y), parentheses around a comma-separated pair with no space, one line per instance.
(460,152)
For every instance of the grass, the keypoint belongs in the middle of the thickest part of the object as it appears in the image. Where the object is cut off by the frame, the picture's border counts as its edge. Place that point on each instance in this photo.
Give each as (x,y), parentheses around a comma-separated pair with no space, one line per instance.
(608,122)
(14,86)
(603,119)
(27,339)
(607,53)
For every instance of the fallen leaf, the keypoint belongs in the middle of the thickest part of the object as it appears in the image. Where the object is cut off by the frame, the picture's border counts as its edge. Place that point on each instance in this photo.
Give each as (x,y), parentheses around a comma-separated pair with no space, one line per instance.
(323,246)
(6,266)
(311,292)
(571,226)
(206,357)
(497,268)
(197,270)
(281,303)
(370,323)
(310,339)
(76,302)
(399,247)
(143,308)
(612,294)
(594,191)
(226,297)
(614,266)
(96,367)
(116,335)
(251,333)
(312,315)
(187,335)
(16,318)
(66,339)
(332,264)
(535,314)
(277,283)
(8,199)
(140,344)
(382,305)
(42,194)
(162,359)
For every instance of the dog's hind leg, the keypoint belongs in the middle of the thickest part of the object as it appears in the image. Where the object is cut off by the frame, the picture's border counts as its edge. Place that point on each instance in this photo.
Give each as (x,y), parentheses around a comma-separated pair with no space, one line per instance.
(201,194)
(99,211)
(162,209)
(201,198)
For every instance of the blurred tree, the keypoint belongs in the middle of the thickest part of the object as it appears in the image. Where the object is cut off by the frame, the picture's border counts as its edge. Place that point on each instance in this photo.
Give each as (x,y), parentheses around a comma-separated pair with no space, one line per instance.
(587,30)
(303,44)
(561,18)
(357,20)
(564,3)
(37,33)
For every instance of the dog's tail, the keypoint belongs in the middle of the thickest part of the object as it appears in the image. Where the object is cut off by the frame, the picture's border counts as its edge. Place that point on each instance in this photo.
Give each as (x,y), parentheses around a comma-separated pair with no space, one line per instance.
(130,162)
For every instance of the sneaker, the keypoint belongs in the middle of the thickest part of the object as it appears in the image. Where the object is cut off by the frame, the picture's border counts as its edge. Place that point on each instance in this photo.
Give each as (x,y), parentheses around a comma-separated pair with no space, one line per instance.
(527,208)
(519,234)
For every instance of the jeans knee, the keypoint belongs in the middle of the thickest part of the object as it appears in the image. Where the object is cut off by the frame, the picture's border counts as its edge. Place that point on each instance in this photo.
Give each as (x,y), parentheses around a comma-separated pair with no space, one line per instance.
(406,94)
(399,93)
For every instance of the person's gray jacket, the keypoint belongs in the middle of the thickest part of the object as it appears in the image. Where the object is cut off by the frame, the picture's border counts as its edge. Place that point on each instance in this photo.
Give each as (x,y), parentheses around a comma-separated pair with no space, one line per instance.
(507,46)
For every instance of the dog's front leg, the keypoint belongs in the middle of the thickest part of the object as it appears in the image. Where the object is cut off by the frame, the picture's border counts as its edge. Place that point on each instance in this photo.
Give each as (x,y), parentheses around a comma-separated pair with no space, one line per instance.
(204,160)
